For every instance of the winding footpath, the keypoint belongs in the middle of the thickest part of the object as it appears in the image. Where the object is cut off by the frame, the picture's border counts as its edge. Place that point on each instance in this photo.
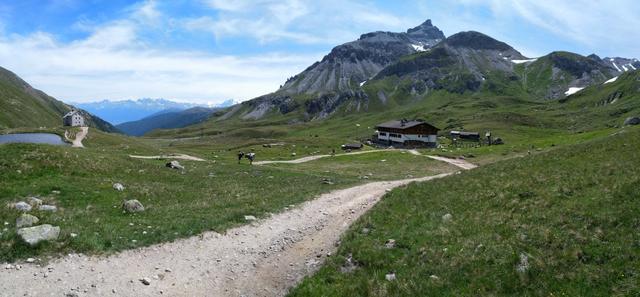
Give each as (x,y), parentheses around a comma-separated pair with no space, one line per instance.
(265,258)
(77,141)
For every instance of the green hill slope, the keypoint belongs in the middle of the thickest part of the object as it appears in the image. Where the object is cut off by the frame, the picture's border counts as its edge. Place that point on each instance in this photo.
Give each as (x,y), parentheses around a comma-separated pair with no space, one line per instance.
(22,106)
(561,223)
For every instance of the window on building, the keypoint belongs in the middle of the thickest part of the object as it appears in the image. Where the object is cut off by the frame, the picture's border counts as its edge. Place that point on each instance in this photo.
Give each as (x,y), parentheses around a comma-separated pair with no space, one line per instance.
(382,134)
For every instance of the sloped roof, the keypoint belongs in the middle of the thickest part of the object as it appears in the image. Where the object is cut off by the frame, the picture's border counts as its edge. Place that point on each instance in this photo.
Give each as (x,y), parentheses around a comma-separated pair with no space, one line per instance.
(70,113)
(403,124)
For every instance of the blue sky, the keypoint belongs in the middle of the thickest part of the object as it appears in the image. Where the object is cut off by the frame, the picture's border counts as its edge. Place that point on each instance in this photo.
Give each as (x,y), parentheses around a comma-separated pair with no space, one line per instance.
(213,50)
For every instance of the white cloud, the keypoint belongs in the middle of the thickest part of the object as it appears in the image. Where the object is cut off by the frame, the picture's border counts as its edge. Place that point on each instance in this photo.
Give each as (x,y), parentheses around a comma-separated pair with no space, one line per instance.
(92,68)
(306,22)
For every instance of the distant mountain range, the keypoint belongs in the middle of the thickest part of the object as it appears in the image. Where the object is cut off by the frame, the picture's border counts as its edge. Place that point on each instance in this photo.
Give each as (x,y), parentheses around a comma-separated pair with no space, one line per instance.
(167,119)
(117,112)
(23,106)
(381,70)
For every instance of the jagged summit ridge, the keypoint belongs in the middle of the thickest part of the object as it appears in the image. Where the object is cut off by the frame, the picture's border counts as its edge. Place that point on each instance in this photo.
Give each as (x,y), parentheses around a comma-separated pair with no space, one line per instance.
(350,64)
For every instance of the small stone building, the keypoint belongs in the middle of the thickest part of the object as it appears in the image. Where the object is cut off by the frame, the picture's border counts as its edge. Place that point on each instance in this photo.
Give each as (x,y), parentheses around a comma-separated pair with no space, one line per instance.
(73,119)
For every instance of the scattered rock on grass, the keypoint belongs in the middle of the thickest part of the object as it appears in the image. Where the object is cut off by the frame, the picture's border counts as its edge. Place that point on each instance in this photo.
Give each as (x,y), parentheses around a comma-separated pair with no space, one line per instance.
(175,165)
(50,208)
(523,265)
(249,218)
(118,187)
(391,243)
(34,235)
(327,181)
(26,220)
(35,201)
(132,206)
(22,206)
(447,218)
(390,277)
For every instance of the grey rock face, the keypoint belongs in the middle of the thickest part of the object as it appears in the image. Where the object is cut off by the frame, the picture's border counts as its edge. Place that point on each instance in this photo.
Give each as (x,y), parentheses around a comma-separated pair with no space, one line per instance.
(26,220)
(347,65)
(632,121)
(34,235)
(132,206)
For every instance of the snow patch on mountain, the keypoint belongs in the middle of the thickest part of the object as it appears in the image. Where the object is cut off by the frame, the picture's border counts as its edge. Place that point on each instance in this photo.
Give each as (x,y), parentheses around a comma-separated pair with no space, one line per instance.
(524,61)
(572,91)
(611,80)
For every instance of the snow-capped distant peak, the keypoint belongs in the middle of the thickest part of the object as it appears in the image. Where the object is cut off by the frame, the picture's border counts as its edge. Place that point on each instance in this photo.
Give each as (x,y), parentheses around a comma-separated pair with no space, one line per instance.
(611,60)
(524,61)
(572,91)
(611,80)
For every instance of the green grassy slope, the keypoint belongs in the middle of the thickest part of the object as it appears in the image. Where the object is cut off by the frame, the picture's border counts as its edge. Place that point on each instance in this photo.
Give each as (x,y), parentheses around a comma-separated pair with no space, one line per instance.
(23,106)
(572,212)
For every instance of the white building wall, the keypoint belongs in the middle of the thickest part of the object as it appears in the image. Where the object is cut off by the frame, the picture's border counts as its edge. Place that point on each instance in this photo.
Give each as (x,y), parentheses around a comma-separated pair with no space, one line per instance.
(408,137)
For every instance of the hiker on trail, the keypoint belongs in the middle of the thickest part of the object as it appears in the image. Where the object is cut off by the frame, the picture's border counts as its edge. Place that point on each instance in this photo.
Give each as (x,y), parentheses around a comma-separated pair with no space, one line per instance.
(251,156)
(240,156)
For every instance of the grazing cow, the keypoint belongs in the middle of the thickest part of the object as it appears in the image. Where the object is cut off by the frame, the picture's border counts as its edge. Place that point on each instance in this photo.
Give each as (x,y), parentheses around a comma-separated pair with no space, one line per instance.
(240,156)
(251,156)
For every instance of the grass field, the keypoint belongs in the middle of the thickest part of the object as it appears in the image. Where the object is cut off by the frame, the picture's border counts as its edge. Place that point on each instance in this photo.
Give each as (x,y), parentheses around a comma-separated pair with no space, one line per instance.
(211,195)
(559,223)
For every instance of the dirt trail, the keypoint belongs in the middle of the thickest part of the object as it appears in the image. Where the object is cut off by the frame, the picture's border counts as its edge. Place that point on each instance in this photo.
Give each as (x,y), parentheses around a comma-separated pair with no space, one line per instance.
(172,156)
(265,258)
(456,162)
(77,141)
(311,158)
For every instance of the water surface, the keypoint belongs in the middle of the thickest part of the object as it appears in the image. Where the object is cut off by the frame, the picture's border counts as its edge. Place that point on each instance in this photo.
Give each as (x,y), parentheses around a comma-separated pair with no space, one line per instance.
(41,138)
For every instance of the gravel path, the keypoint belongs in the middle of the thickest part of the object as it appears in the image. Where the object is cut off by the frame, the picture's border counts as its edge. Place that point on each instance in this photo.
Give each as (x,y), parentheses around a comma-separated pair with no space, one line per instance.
(77,141)
(311,158)
(172,156)
(265,258)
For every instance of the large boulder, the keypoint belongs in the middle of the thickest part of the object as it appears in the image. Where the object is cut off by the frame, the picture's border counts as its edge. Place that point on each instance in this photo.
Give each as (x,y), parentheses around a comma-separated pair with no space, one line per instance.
(175,165)
(26,220)
(132,206)
(34,235)
(632,121)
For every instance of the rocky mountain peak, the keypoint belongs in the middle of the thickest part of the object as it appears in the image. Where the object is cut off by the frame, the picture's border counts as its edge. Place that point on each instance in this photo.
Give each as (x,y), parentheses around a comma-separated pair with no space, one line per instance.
(426,32)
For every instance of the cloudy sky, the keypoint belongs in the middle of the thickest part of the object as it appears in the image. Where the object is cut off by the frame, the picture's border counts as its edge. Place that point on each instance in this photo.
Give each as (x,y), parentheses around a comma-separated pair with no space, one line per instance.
(213,50)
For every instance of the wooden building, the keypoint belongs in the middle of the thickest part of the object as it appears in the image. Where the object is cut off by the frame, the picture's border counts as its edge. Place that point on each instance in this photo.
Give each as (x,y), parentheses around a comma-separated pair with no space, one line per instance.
(408,133)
